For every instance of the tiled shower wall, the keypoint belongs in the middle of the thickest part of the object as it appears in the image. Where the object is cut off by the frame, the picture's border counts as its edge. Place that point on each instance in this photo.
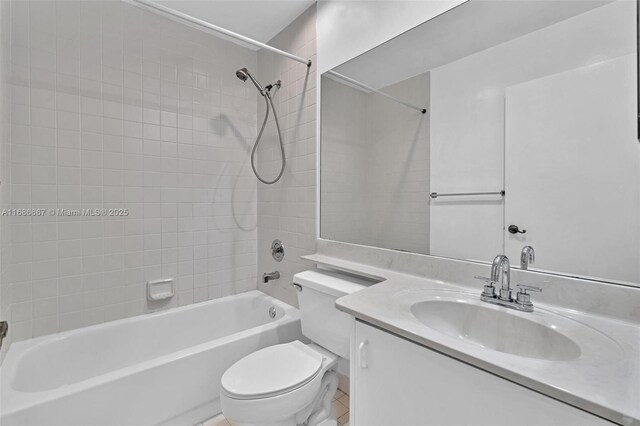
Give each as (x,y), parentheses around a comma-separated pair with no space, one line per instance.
(5,103)
(113,107)
(287,209)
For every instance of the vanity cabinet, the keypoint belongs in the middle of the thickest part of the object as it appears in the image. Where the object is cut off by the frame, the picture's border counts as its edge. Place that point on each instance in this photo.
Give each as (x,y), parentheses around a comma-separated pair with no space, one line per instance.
(397,382)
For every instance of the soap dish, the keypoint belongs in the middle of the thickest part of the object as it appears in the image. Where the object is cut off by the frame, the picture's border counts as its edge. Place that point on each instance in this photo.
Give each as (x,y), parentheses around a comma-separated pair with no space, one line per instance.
(160,289)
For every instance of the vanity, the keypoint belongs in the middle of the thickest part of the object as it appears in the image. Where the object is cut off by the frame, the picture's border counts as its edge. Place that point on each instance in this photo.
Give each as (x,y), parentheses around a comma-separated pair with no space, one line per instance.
(465,395)
(426,350)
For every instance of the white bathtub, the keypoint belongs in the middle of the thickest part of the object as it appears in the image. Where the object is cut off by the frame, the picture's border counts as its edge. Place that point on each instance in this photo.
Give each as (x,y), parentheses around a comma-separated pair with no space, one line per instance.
(161,368)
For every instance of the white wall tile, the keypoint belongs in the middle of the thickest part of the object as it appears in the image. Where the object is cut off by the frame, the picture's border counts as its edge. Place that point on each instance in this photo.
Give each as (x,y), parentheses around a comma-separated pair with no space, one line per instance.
(100,115)
(279,212)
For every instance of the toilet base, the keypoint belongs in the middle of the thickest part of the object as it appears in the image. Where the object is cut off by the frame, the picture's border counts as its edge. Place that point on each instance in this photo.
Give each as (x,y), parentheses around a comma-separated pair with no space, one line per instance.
(320,409)
(285,422)
(290,422)
(329,422)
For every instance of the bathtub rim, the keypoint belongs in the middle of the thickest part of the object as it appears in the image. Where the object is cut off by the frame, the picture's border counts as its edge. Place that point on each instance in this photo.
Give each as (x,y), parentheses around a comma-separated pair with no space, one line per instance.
(14,401)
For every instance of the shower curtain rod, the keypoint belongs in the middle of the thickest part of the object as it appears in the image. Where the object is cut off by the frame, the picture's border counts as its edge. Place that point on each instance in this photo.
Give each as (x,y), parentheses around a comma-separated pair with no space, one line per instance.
(176,15)
(364,86)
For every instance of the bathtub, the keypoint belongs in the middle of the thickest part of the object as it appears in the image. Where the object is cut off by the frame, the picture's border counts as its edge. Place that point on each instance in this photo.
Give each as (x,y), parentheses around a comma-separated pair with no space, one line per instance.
(156,369)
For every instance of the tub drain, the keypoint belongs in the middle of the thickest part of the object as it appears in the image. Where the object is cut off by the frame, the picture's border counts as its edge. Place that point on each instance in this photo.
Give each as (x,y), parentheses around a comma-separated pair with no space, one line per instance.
(272,312)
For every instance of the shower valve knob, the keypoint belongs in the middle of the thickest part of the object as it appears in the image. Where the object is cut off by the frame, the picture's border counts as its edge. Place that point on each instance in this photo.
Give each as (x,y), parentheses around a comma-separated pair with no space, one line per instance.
(277,250)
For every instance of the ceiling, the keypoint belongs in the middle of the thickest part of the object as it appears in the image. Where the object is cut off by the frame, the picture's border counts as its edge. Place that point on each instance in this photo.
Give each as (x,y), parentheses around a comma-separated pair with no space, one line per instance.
(257,19)
(471,27)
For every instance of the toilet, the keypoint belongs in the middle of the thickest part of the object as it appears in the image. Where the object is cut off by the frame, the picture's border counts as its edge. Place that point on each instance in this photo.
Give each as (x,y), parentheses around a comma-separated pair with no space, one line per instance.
(294,383)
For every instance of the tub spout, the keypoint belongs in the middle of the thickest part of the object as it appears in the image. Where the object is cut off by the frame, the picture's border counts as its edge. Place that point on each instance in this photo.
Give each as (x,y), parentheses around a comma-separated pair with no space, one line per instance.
(268,276)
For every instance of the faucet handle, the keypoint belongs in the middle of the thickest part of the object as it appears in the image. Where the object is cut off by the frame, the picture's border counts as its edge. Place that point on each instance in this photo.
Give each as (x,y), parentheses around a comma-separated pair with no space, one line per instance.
(524,288)
(488,290)
(524,298)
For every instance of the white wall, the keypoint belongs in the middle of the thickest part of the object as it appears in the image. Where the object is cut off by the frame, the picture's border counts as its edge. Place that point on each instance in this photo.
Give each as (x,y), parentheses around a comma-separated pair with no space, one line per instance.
(347,29)
(587,208)
(287,209)
(468,119)
(114,107)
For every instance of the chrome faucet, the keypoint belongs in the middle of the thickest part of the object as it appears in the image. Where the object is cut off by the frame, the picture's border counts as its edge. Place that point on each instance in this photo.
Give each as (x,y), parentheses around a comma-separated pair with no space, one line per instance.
(501,274)
(501,268)
(268,276)
(527,256)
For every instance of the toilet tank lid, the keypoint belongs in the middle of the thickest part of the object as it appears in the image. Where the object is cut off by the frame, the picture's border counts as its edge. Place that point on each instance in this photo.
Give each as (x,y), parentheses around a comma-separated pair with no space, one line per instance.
(330,282)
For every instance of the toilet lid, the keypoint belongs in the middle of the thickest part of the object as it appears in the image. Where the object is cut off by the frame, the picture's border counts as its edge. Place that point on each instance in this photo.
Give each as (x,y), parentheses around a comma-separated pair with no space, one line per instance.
(271,371)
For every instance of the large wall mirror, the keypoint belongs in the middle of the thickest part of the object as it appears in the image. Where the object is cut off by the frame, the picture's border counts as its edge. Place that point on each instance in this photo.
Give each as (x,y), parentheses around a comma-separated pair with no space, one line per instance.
(530,138)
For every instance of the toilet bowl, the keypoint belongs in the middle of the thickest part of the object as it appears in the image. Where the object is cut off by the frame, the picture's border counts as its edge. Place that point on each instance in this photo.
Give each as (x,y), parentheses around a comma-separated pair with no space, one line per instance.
(294,383)
(280,385)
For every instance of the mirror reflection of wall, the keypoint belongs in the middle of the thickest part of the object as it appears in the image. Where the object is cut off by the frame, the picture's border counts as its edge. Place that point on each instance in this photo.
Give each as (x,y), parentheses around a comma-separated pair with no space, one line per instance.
(545,110)
(375,165)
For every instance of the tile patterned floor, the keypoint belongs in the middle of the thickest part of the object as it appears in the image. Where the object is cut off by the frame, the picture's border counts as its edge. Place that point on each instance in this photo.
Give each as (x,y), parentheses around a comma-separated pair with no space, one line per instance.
(340,408)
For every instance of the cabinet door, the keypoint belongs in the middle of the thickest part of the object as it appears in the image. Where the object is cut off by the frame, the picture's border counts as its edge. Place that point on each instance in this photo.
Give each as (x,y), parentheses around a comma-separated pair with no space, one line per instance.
(397,382)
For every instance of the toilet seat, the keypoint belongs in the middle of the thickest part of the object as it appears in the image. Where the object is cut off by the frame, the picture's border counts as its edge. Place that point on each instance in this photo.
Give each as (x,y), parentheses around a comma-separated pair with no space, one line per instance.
(272,371)
(245,403)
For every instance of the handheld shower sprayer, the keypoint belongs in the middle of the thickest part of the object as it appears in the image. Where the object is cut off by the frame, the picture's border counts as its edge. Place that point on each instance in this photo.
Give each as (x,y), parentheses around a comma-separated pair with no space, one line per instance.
(244,74)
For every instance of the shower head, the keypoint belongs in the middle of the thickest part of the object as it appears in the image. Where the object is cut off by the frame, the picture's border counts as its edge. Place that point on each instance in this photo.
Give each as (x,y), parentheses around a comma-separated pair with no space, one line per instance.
(241,74)
(244,73)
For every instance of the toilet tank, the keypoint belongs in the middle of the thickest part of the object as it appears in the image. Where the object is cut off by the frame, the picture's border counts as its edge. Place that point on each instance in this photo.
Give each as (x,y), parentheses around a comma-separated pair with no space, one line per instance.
(321,321)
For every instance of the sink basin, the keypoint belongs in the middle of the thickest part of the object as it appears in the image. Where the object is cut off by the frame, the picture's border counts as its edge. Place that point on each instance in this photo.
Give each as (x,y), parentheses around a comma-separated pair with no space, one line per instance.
(495,328)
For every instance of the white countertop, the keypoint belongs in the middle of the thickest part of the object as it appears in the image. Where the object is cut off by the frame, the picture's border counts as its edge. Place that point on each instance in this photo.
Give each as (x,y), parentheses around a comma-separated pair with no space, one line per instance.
(603,382)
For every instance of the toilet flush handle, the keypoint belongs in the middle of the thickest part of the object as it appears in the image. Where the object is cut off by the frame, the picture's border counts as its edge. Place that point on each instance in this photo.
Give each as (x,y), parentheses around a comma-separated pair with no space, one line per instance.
(363,362)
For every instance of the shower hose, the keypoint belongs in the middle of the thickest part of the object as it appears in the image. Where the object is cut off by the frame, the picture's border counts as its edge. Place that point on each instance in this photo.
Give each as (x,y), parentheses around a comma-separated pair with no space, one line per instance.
(269,102)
